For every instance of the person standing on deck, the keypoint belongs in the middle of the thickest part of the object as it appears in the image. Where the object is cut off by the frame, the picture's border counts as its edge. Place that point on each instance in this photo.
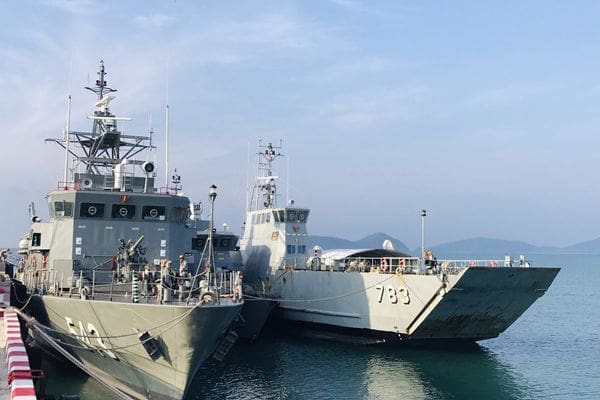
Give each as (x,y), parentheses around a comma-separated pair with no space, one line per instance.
(182,266)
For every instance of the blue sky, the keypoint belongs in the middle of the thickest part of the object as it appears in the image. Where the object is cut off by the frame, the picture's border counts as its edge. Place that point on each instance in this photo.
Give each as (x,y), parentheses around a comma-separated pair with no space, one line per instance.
(485,115)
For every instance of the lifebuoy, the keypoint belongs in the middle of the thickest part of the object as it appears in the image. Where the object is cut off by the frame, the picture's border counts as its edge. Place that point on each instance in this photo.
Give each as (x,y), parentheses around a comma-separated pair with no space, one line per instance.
(383,264)
(493,263)
(400,267)
(44,261)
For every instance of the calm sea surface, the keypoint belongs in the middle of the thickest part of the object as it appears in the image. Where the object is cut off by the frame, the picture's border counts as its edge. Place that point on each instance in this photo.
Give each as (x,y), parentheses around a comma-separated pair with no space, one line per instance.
(551,352)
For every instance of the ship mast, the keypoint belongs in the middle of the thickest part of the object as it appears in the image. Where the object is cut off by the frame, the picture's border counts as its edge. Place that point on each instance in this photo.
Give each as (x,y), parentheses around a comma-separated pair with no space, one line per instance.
(66,141)
(265,186)
(101,89)
(105,149)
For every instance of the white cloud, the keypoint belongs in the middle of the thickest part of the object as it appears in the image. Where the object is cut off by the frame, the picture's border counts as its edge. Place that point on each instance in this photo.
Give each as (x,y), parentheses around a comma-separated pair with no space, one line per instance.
(373,108)
(359,7)
(507,95)
(153,20)
(74,6)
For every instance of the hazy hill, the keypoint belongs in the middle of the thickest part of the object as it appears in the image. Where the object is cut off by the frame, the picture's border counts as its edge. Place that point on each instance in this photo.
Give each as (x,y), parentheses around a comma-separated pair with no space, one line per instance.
(372,241)
(482,247)
(493,247)
(589,247)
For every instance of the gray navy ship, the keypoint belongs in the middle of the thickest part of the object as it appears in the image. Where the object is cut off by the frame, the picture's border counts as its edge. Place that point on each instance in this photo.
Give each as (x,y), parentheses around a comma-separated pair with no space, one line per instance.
(122,278)
(376,295)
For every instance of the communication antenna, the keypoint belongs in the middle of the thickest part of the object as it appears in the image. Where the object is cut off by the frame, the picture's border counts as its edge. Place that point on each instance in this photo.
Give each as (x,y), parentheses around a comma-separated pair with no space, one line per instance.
(248,175)
(167,134)
(151,130)
(68,128)
(287,181)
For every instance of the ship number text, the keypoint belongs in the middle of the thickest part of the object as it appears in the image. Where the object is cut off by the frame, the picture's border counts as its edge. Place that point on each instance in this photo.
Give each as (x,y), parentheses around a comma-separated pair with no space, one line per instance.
(89,337)
(394,295)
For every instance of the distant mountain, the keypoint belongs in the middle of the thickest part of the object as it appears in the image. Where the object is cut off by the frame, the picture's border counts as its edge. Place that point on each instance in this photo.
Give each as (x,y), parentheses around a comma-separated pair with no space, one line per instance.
(491,247)
(480,246)
(372,241)
(589,247)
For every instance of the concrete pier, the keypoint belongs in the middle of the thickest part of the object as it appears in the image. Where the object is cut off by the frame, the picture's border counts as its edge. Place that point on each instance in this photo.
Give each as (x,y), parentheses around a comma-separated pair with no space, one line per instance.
(16,382)
(4,388)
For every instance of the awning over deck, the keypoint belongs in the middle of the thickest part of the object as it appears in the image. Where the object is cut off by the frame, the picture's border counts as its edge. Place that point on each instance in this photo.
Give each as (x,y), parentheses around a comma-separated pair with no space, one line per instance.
(341,254)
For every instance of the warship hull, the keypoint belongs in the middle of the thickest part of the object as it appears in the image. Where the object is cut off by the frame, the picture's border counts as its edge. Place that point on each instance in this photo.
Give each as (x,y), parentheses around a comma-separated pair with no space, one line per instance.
(474,304)
(105,337)
(255,313)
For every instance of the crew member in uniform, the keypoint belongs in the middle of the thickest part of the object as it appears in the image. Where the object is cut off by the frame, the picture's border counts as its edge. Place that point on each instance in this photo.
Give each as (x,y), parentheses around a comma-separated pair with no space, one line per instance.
(182,266)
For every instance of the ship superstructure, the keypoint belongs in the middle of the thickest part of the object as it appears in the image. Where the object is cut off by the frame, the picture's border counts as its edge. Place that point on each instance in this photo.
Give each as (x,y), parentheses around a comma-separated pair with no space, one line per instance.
(123,275)
(376,295)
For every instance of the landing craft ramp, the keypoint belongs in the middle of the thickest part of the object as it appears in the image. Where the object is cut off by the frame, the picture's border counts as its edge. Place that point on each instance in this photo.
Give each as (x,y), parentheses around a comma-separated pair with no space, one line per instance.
(482,303)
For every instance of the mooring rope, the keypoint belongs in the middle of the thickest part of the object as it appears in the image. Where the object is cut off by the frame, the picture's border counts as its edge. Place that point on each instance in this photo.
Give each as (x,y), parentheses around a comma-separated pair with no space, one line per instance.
(50,340)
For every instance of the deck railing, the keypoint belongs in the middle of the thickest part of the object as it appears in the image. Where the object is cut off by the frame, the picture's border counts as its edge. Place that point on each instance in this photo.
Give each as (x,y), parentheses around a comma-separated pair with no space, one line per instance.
(136,286)
(401,265)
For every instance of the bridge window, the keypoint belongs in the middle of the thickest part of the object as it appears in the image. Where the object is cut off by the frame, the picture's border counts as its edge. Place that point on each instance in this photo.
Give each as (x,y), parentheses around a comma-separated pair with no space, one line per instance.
(291,249)
(198,243)
(153,213)
(302,216)
(63,209)
(291,217)
(179,215)
(91,210)
(36,240)
(302,249)
(123,211)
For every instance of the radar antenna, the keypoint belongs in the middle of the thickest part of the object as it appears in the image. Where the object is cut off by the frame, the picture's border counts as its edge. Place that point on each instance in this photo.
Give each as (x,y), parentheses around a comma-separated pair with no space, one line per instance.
(105,148)
(265,186)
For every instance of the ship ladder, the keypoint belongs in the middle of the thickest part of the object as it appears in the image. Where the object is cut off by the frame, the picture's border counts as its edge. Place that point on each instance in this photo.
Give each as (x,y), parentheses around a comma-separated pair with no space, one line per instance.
(225,345)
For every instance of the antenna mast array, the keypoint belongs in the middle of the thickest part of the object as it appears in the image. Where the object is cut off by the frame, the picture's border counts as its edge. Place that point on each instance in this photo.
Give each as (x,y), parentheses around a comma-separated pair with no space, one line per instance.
(265,185)
(105,147)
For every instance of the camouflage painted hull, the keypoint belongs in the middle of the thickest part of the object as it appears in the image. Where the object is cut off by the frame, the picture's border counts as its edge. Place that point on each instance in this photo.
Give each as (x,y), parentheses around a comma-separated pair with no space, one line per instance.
(104,336)
(475,304)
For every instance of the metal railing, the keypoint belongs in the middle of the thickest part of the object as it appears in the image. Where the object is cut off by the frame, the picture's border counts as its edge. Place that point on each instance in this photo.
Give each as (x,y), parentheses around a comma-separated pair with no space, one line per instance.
(136,286)
(62,185)
(405,265)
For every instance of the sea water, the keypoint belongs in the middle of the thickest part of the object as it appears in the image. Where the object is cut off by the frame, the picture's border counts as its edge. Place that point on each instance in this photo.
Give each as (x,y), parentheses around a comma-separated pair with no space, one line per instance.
(551,352)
